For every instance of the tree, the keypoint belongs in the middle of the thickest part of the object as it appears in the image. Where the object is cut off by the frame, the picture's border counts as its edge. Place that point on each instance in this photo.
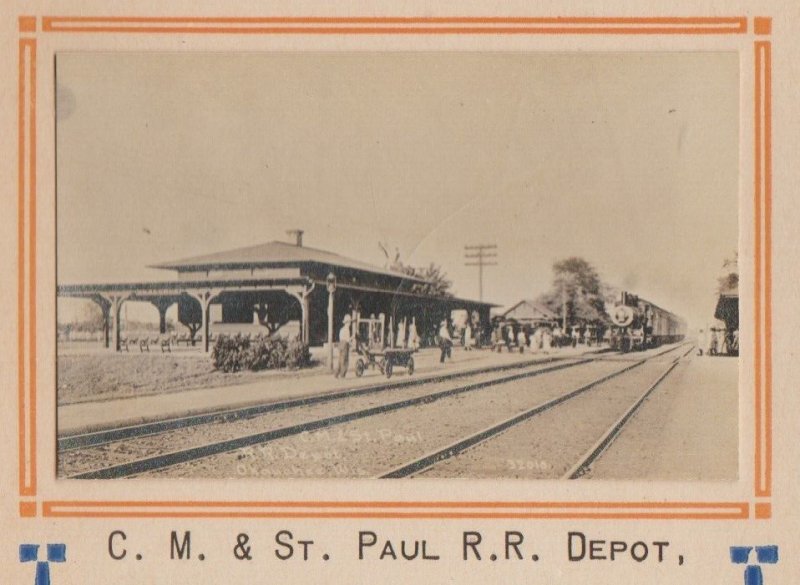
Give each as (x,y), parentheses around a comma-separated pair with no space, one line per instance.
(437,284)
(578,289)
(729,281)
(89,318)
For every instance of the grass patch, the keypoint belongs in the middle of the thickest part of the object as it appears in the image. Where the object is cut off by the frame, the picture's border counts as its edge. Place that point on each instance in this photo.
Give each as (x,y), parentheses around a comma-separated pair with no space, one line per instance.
(85,378)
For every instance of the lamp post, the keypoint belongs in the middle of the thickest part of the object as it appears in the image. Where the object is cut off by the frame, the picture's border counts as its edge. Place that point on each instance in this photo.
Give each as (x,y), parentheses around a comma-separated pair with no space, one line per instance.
(330,283)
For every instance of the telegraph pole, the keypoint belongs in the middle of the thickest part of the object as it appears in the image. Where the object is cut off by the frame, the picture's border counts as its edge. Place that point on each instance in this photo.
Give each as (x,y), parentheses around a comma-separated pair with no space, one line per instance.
(477,255)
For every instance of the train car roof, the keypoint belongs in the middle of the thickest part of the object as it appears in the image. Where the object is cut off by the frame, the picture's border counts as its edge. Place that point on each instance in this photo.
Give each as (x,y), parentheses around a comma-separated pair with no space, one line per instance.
(652,304)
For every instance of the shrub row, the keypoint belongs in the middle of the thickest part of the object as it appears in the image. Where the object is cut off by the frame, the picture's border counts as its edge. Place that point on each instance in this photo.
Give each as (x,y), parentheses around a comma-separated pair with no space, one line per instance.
(234,353)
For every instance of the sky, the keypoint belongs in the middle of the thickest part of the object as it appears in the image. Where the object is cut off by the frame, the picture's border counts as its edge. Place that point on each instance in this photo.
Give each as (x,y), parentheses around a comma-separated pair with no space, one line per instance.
(627,160)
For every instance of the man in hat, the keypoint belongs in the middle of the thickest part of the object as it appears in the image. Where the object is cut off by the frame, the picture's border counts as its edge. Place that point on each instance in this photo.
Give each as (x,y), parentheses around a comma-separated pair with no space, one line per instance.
(345,336)
(445,342)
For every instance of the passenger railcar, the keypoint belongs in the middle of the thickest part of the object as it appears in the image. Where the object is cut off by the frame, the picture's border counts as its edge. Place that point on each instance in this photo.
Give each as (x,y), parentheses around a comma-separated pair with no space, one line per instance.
(640,324)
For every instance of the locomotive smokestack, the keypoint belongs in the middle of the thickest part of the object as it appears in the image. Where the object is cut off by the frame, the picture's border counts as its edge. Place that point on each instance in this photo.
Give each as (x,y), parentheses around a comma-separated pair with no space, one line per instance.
(297,236)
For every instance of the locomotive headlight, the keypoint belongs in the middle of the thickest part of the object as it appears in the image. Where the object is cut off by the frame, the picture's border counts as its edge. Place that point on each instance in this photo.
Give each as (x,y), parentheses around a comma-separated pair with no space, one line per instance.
(622,316)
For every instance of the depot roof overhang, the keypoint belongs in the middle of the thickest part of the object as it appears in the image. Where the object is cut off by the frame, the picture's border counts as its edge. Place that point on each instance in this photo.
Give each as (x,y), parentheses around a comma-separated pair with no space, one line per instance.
(277,254)
(222,272)
(179,287)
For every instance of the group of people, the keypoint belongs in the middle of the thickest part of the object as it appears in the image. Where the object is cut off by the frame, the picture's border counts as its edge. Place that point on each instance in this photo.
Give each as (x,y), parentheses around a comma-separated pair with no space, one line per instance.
(726,344)
(504,336)
(349,339)
(471,338)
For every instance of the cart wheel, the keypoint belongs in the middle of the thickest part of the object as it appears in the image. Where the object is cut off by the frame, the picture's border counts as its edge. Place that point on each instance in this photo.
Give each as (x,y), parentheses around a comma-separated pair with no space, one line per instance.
(388,369)
(359,368)
(410,366)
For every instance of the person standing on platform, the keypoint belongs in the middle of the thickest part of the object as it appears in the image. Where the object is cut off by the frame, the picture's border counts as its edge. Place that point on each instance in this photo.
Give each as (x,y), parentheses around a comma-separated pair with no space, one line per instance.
(401,334)
(522,340)
(536,340)
(345,335)
(413,335)
(547,340)
(509,337)
(445,342)
(713,346)
(468,337)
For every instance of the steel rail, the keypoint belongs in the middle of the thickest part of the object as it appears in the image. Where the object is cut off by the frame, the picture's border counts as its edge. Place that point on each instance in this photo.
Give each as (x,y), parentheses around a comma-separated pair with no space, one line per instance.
(595,451)
(435,457)
(161,461)
(116,434)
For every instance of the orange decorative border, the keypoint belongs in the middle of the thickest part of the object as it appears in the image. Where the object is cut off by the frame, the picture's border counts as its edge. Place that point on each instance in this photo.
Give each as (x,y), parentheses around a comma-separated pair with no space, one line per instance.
(763,268)
(760,509)
(396,25)
(414,510)
(26,254)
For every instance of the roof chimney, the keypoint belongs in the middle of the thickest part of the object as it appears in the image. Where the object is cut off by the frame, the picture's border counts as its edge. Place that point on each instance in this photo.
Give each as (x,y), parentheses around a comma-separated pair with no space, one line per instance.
(297,235)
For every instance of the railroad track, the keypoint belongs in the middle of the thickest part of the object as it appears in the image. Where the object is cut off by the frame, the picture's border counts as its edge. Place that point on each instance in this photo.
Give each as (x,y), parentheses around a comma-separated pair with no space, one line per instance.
(160,461)
(602,445)
(102,437)
(433,458)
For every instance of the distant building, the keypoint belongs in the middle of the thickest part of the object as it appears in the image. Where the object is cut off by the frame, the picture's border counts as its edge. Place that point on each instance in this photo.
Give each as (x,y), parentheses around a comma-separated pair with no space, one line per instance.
(728,307)
(527,312)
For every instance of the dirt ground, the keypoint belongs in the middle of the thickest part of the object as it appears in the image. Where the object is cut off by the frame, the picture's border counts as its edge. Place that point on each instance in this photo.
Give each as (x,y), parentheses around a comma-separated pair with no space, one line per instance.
(81,460)
(104,376)
(374,445)
(546,446)
(687,430)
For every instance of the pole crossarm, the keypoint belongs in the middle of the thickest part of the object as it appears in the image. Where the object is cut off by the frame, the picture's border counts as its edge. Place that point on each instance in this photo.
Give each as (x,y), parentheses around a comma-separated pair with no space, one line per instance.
(478,252)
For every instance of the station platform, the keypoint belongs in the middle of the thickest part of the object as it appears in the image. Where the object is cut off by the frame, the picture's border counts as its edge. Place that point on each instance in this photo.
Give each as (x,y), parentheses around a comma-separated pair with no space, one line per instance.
(97,415)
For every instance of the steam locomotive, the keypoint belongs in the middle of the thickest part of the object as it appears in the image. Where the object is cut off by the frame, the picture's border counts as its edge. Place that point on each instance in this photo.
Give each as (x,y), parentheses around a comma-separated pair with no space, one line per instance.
(639,324)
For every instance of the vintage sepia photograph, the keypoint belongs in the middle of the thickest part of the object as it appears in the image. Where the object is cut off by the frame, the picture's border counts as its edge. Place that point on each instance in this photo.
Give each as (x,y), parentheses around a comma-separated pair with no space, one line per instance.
(450,265)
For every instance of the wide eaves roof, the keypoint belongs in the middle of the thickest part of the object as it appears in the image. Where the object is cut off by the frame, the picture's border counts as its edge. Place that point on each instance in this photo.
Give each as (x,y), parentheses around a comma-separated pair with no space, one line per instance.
(536,306)
(276,254)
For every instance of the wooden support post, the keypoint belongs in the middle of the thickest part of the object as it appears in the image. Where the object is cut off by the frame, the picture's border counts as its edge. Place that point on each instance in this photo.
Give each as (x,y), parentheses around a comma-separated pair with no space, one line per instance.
(106,326)
(330,329)
(105,306)
(114,303)
(302,295)
(304,333)
(162,305)
(205,298)
(204,324)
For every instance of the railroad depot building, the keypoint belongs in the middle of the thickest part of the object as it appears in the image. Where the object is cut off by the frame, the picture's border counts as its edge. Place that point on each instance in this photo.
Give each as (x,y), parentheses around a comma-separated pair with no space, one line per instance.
(727,309)
(274,284)
(529,314)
